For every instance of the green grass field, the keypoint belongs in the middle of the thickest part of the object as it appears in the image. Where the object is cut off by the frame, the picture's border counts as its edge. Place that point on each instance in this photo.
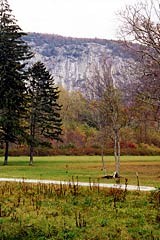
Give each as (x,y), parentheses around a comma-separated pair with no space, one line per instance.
(85,167)
(48,212)
(65,212)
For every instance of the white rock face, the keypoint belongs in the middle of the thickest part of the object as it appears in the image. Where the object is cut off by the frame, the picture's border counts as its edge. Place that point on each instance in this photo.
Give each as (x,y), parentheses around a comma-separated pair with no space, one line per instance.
(72,63)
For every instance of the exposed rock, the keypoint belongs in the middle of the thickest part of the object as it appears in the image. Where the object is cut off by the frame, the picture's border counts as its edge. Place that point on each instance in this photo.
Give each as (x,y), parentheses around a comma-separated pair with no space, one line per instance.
(71,60)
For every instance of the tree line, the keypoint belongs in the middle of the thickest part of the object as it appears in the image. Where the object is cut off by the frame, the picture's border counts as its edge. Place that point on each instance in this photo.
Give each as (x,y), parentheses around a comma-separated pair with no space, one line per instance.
(28,97)
(135,110)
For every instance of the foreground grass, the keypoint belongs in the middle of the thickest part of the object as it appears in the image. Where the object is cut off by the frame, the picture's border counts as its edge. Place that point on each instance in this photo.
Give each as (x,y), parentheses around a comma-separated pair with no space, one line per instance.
(85,167)
(30,211)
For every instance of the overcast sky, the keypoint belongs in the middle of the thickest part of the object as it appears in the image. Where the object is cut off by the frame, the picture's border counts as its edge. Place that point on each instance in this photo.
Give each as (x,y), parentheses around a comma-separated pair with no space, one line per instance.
(75,18)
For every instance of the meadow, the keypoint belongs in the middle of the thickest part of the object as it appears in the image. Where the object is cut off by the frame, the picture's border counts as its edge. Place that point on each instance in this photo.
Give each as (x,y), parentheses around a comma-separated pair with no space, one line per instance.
(85,168)
(66,212)
(48,212)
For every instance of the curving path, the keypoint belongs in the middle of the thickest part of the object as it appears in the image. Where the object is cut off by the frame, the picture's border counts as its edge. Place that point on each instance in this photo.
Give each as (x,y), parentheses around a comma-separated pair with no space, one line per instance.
(85,184)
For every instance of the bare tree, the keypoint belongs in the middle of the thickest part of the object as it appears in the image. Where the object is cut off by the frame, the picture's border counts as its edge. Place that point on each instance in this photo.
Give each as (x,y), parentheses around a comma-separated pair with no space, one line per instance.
(110,114)
(99,120)
(141,25)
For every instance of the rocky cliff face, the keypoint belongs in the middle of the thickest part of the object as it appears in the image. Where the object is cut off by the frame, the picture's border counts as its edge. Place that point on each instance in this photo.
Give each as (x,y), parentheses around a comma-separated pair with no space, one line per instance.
(72,61)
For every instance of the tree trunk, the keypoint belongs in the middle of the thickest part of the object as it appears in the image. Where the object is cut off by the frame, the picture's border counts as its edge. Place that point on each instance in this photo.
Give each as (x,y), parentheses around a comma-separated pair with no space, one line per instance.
(103,163)
(6,153)
(115,149)
(117,153)
(32,135)
(31,155)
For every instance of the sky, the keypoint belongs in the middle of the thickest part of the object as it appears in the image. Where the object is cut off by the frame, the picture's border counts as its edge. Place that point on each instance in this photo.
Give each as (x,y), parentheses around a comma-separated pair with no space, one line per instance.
(75,18)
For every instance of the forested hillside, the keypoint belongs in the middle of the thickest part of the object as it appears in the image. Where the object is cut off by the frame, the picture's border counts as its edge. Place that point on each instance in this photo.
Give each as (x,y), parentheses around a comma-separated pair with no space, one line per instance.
(81,67)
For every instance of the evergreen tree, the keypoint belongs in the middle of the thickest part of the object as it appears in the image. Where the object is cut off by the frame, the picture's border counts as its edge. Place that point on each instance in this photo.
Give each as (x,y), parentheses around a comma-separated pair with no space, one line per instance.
(13,55)
(44,110)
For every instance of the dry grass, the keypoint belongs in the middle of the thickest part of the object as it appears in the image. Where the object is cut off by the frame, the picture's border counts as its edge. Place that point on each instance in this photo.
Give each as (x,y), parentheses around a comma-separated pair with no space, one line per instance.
(47,212)
(85,167)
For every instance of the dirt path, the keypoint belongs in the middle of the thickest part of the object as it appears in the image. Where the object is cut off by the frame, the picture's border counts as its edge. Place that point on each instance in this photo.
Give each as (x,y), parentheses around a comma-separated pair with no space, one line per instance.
(85,184)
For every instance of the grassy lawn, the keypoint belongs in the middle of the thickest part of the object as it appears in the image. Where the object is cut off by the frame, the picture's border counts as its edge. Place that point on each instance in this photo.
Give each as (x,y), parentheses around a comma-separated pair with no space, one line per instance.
(85,167)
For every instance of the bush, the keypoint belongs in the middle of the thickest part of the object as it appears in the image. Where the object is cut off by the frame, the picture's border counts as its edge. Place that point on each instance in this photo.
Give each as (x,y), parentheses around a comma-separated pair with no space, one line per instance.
(126,149)
(146,149)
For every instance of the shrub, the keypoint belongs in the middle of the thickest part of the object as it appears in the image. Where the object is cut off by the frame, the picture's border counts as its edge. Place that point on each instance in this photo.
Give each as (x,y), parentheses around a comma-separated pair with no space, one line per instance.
(146,149)
(70,149)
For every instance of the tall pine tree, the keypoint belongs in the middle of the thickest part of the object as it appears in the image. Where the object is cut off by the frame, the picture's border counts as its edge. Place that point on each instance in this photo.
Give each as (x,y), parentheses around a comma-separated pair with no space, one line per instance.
(44,111)
(14,54)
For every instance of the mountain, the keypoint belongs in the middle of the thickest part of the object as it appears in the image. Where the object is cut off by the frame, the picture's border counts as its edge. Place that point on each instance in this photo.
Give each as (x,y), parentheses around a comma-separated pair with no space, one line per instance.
(72,60)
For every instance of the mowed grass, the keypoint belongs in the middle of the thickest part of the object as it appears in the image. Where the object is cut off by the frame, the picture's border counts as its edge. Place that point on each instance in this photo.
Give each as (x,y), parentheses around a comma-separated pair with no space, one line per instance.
(84,167)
